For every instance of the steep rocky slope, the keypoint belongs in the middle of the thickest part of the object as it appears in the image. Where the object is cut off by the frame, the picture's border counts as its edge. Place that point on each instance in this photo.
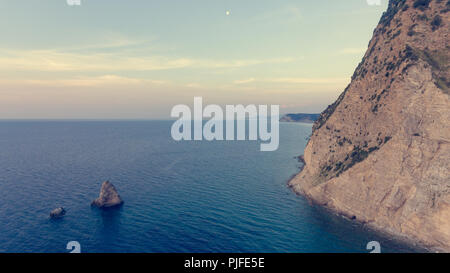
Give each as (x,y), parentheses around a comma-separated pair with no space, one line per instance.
(381,153)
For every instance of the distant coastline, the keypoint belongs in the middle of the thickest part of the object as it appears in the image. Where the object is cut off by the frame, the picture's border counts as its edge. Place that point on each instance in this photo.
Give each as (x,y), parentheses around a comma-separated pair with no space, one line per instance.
(300,117)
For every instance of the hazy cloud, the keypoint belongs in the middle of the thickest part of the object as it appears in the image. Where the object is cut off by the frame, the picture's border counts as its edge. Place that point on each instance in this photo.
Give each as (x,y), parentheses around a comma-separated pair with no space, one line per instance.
(52,60)
(295,80)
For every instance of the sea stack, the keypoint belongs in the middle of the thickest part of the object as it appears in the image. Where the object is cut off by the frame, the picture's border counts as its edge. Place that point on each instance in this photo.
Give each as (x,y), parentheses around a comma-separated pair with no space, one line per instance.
(57,213)
(380,154)
(108,197)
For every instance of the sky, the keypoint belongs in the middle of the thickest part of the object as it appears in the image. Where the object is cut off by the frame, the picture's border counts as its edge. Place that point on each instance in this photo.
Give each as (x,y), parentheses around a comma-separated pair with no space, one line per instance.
(117,59)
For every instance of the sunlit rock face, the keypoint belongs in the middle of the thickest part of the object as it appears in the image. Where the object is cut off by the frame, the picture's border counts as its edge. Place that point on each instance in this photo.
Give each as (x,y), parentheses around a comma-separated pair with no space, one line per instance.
(380,154)
(108,196)
(57,213)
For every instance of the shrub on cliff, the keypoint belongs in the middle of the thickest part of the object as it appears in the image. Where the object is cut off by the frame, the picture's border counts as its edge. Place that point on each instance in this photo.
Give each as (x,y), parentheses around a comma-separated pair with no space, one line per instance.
(421,4)
(436,22)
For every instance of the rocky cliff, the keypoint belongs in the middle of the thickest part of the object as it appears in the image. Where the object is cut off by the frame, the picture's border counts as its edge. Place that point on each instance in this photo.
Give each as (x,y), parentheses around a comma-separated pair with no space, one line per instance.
(381,153)
(108,197)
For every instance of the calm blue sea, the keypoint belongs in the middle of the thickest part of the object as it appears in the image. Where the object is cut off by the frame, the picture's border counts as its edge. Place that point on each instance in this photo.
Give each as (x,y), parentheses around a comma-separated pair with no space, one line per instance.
(179,196)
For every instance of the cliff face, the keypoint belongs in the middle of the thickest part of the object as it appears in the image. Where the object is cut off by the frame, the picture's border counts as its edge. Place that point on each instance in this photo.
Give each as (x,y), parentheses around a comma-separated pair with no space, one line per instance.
(109,197)
(381,153)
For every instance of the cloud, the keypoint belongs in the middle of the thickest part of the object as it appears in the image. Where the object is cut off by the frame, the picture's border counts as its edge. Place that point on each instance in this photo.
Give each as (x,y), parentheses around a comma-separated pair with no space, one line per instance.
(193,85)
(245,81)
(110,41)
(99,81)
(310,80)
(50,60)
(60,61)
(295,80)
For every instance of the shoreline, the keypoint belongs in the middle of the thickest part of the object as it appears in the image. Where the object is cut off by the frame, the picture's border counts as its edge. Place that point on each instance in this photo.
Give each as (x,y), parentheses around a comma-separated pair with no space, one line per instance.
(371,227)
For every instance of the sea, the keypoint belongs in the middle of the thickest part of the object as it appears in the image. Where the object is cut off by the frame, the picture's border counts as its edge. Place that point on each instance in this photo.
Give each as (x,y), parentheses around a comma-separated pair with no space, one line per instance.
(186,196)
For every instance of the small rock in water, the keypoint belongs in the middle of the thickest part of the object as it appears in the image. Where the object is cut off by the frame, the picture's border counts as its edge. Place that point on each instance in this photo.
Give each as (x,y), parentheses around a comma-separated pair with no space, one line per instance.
(58,213)
(108,197)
